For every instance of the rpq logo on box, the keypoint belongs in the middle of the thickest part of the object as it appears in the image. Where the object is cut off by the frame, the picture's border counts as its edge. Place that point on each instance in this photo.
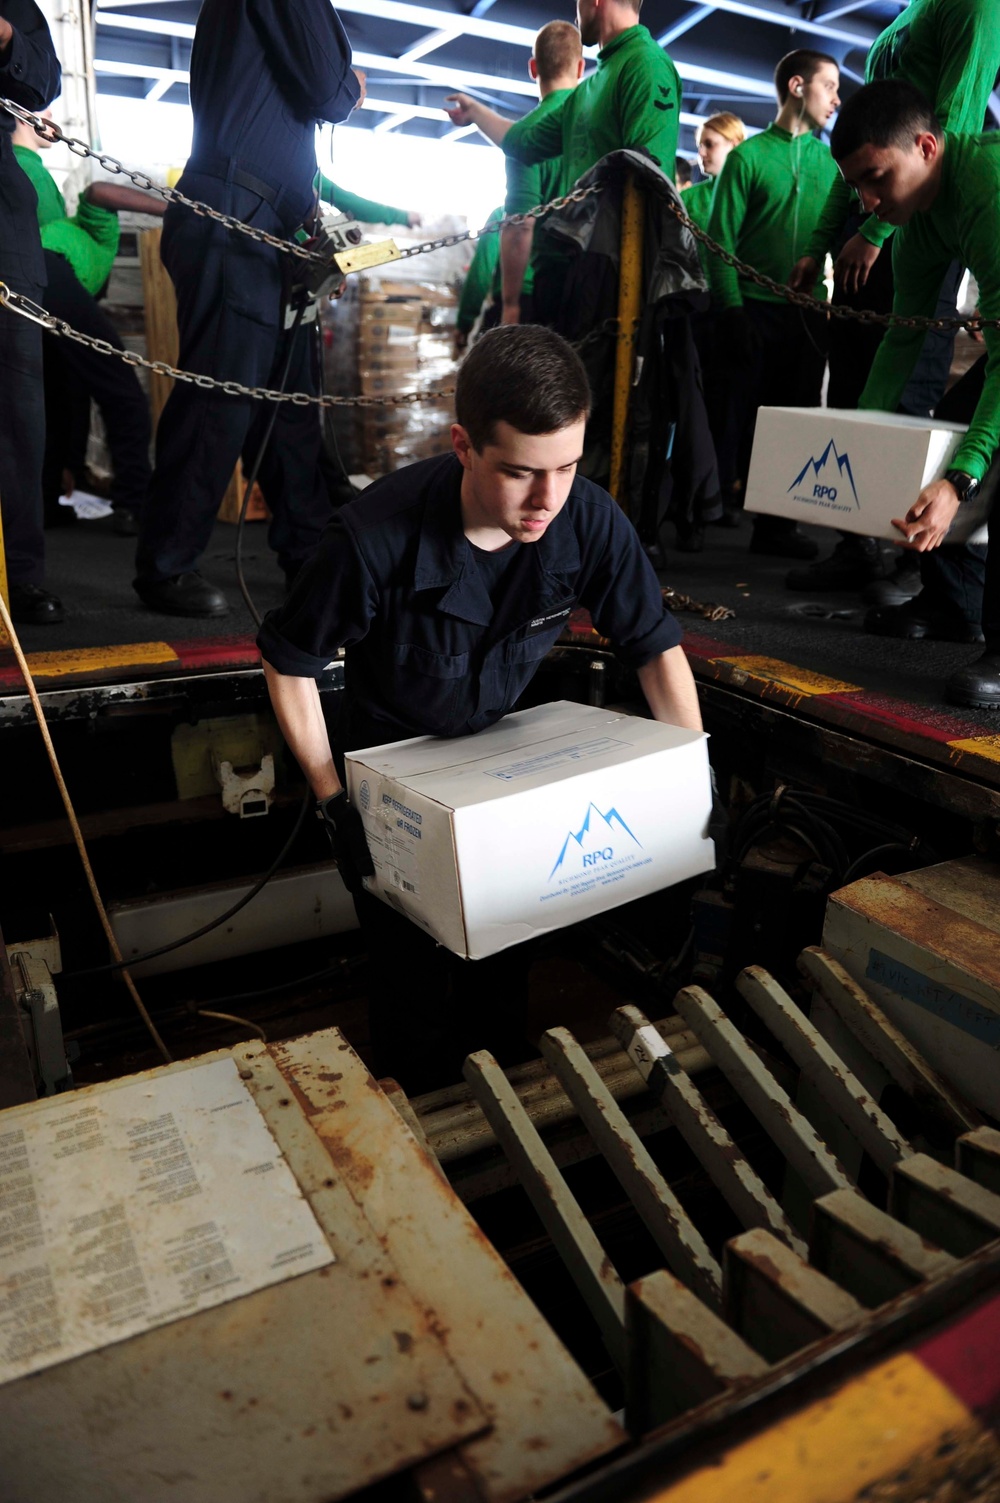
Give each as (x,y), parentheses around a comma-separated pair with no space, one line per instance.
(593,841)
(831,477)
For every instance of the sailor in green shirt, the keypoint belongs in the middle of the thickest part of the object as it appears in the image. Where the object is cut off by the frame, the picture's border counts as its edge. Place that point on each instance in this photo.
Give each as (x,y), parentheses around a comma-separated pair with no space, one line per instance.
(768,197)
(943,190)
(478,282)
(79,251)
(631,102)
(715,139)
(950,50)
(556,64)
(365,209)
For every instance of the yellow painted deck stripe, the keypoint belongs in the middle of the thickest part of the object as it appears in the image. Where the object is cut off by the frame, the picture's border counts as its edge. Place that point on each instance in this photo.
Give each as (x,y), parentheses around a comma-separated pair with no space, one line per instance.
(870,1429)
(980,746)
(94,659)
(772,670)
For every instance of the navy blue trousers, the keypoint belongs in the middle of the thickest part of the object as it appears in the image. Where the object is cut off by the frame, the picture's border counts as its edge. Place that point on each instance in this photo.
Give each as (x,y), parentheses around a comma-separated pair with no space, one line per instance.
(230,299)
(22,442)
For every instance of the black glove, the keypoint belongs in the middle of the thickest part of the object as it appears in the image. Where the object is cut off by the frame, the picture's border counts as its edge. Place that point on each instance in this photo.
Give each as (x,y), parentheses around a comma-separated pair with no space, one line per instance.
(736,338)
(347,840)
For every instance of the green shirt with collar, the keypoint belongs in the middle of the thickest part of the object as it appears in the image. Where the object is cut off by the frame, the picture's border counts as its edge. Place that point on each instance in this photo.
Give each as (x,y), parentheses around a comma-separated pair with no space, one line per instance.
(950,51)
(632,101)
(697,201)
(88,240)
(962,224)
(768,197)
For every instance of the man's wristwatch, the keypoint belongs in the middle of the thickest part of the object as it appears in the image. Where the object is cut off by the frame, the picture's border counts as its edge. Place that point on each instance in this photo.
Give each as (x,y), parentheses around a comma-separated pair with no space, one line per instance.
(966,488)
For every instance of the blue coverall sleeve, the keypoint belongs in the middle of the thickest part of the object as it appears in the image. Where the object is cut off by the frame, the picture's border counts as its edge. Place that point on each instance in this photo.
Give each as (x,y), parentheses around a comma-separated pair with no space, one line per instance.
(309,55)
(29,69)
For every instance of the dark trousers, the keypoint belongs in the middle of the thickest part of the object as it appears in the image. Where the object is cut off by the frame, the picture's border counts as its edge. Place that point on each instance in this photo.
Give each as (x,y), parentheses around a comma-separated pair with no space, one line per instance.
(428,1009)
(963,579)
(229,316)
(22,442)
(114,387)
(784,370)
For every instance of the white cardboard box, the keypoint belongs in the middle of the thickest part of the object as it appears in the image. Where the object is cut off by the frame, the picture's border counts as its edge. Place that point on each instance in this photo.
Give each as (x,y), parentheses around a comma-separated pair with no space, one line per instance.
(853,470)
(550,816)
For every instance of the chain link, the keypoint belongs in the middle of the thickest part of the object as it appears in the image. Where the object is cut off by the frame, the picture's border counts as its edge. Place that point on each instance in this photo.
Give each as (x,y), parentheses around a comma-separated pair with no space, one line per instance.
(18,303)
(974,324)
(288,247)
(494,226)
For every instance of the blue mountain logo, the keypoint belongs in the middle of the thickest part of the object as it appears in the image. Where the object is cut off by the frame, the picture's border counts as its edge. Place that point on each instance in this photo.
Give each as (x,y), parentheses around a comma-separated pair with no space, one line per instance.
(591,834)
(831,465)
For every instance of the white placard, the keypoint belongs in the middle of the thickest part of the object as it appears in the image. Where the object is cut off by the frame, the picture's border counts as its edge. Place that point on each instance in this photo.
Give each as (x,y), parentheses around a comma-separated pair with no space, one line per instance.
(124,1209)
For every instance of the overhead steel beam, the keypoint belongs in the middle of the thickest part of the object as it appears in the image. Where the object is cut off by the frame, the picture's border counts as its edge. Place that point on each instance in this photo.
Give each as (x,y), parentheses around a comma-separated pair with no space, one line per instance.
(778,15)
(419,15)
(430,43)
(843,10)
(694,17)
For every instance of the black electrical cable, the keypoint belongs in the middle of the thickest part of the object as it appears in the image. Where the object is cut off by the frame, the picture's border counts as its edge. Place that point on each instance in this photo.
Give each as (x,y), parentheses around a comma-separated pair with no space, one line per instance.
(259,460)
(186,939)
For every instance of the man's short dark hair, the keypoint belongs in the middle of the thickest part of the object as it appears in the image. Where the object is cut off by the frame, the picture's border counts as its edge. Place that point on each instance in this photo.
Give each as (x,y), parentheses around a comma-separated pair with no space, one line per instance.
(890,113)
(682,171)
(557,50)
(802,63)
(524,375)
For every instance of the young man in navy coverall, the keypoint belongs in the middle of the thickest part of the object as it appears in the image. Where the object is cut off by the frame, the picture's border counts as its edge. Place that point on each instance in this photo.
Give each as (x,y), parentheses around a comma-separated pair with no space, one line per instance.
(447,583)
(263,73)
(30,75)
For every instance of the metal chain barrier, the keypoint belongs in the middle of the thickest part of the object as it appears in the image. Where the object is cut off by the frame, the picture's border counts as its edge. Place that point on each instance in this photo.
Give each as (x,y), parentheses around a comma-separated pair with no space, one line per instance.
(288,247)
(805,300)
(18,303)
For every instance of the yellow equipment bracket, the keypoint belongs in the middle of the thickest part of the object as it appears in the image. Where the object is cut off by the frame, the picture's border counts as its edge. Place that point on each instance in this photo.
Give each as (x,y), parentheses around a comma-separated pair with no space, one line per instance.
(364,257)
(629,306)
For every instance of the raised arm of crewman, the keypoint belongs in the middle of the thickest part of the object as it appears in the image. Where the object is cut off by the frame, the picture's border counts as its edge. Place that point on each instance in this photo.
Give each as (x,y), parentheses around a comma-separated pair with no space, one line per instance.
(307,49)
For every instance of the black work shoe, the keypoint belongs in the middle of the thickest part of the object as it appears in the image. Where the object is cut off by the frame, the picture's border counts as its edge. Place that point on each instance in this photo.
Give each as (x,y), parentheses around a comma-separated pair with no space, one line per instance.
(917,623)
(690,538)
(124,522)
(783,544)
(901,585)
(30,605)
(977,685)
(851,565)
(184,595)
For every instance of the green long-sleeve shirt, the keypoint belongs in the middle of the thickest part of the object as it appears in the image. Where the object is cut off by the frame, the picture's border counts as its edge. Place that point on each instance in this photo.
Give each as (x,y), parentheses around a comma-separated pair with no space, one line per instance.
(697,201)
(530,184)
(963,223)
(479,277)
(365,209)
(633,100)
(950,51)
(768,197)
(88,240)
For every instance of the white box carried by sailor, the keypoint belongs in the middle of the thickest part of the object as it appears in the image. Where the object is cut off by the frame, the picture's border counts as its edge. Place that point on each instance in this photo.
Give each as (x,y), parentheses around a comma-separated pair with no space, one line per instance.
(853,470)
(547,818)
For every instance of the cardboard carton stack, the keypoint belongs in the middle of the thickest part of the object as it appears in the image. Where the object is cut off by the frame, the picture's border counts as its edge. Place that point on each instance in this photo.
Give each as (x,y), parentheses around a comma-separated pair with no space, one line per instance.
(404,345)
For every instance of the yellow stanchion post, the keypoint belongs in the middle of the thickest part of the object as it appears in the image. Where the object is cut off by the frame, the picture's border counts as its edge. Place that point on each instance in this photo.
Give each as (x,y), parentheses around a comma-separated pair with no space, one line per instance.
(4,591)
(629,305)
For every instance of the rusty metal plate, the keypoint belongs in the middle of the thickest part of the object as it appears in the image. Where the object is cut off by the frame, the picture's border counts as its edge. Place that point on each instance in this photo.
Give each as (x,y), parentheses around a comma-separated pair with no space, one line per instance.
(299,1393)
(546,1418)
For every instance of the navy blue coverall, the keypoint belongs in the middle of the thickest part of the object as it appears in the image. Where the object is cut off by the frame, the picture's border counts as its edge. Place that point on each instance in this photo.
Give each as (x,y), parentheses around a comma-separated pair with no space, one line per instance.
(263,73)
(430,651)
(30,75)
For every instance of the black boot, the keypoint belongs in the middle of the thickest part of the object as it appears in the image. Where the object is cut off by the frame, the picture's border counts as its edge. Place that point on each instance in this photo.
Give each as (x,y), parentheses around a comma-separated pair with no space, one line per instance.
(917,620)
(977,685)
(898,587)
